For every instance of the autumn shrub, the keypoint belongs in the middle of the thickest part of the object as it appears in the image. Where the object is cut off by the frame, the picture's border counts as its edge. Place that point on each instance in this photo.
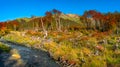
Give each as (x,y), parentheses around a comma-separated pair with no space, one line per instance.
(85,32)
(4,32)
(96,61)
(112,41)
(86,51)
(62,52)
(34,33)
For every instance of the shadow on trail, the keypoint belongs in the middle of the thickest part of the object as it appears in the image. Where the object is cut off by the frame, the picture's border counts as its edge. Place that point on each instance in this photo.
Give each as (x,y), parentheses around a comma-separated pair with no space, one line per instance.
(30,57)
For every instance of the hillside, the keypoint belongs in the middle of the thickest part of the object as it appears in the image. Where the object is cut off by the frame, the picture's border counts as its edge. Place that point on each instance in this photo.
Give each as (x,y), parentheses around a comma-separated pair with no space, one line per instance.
(71,40)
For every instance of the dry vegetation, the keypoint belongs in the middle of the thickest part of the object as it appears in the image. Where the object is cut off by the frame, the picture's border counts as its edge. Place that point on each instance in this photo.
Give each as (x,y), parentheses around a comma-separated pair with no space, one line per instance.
(91,40)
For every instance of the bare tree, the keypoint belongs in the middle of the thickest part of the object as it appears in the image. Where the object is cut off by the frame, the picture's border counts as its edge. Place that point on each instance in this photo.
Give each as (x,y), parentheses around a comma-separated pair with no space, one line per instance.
(44,30)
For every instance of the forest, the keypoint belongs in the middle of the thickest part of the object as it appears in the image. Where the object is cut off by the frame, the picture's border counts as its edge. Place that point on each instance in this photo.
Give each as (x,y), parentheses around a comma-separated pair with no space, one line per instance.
(88,40)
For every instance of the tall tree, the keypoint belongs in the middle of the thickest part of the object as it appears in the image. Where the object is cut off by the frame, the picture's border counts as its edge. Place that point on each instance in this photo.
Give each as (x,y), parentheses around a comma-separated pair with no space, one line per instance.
(49,19)
(57,14)
(43,28)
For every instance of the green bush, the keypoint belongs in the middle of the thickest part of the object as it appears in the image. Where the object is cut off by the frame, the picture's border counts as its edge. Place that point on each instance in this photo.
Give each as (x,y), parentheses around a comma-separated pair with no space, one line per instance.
(4,48)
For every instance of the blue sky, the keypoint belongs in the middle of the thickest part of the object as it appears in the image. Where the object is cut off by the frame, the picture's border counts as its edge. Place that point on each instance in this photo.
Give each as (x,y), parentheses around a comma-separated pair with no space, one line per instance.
(12,9)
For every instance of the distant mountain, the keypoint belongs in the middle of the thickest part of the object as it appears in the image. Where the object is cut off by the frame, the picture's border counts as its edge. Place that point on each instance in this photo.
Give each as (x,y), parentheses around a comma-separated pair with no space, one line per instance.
(72,17)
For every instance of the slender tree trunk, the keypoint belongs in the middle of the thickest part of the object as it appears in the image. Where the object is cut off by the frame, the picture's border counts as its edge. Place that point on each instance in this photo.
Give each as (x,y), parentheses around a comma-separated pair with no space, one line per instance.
(56,23)
(42,25)
(14,27)
(87,24)
(59,24)
(44,30)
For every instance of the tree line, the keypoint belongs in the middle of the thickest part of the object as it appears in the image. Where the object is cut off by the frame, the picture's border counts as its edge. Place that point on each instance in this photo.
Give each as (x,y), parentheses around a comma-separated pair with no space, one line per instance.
(91,20)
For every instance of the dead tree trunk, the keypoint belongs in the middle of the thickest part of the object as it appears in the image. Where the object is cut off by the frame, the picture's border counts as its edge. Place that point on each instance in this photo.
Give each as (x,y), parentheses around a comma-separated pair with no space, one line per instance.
(59,22)
(44,30)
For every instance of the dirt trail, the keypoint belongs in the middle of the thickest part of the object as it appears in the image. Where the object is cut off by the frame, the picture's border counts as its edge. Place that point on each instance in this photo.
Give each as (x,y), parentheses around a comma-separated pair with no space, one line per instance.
(30,57)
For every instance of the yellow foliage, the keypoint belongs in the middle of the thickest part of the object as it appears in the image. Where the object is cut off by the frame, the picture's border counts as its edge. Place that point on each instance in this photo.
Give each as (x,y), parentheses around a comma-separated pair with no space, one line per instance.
(50,46)
(16,56)
(17,38)
(58,53)
(86,51)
